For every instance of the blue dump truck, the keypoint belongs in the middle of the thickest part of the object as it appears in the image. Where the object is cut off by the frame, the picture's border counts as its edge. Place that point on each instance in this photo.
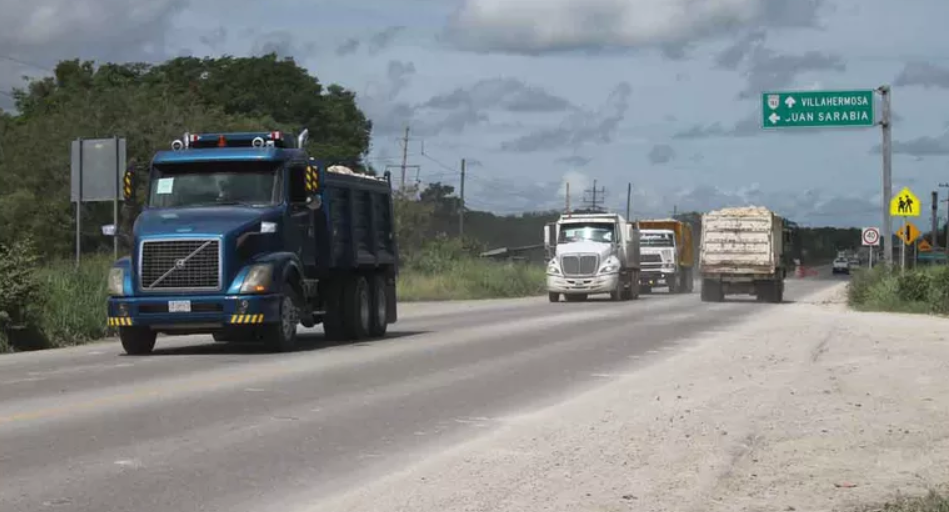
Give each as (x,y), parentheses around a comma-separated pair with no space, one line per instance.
(243,236)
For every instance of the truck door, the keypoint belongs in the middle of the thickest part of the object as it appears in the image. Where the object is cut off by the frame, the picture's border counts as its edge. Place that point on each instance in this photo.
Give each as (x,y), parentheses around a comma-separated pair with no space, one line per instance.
(300,231)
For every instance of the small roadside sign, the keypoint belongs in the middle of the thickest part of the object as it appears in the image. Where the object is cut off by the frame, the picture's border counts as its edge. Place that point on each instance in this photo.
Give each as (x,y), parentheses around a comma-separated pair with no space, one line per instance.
(905,204)
(870,236)
(924,246)
(908,234)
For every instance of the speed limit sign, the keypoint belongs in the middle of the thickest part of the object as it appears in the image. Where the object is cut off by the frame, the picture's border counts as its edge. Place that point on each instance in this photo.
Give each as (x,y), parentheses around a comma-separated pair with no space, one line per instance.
(871,236)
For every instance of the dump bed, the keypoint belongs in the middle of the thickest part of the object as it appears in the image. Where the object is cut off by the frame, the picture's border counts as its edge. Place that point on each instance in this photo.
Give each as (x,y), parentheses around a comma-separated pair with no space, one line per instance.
(355,224)
(683,234)
(741,241)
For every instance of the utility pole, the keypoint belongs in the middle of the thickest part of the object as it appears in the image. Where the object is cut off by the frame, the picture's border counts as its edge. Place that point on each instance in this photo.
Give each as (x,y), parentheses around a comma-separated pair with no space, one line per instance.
(934,238)
(566,199)
(405,154)
(461,207)
(593,204)
(887,149)
(946,185)
(629,195)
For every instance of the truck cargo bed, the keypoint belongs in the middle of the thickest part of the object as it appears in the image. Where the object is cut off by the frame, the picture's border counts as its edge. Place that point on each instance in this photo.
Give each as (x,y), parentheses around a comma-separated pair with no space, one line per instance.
(741,241)
(358,220)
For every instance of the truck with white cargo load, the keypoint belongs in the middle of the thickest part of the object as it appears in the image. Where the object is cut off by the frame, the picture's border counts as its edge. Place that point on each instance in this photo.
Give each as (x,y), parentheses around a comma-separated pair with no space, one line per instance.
(744,250)
(592,253)
(667,255)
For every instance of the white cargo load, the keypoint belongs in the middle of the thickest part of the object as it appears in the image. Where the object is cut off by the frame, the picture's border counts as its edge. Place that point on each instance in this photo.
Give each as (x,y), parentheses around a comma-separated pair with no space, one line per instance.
(741,241)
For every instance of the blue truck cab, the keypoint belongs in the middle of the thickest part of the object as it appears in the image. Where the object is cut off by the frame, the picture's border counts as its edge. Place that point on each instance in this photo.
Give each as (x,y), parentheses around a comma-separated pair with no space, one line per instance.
(245,237)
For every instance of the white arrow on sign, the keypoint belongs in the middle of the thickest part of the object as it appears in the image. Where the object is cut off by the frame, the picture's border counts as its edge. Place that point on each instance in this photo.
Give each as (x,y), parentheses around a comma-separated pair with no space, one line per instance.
(774,118)
(790,102)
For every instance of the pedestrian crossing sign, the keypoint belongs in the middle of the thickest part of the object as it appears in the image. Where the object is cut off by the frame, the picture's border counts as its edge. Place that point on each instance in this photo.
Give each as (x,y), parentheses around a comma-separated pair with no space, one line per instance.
(905,204)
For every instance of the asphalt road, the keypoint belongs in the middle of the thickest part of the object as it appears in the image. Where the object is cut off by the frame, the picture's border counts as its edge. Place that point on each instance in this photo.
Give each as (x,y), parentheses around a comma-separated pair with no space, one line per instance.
(204,426)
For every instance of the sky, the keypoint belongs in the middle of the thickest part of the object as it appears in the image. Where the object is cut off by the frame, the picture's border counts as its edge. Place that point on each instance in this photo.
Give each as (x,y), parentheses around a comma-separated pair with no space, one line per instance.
(660,97)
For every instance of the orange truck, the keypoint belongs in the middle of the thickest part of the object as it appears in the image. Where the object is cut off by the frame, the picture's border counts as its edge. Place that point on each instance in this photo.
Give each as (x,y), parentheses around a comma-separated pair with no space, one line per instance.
(667,255)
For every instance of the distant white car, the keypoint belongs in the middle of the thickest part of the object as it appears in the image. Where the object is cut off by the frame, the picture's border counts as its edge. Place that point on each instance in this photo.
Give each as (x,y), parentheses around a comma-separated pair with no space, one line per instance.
(841,266)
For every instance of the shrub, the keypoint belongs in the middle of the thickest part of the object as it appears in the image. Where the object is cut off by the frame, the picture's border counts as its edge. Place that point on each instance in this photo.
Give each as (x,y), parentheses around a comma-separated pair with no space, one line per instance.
(922,290)
(75,307)
(21,297)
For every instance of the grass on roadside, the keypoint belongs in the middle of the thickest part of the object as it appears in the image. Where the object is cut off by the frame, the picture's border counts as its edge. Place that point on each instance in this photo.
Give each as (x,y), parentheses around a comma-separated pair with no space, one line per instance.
(933,502)
(923,290)
(72,309)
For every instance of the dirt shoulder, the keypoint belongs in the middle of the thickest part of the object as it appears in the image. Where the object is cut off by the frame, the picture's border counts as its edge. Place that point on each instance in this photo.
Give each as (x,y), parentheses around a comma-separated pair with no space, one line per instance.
(809,406)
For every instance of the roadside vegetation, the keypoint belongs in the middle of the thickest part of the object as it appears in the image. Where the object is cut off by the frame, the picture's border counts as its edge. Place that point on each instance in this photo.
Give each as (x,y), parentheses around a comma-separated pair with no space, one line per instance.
(923,290)
(932,502)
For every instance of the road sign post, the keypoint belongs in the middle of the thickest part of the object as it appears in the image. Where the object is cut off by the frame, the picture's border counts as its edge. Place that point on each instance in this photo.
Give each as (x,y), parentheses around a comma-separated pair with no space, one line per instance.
(870,237)
(817,109)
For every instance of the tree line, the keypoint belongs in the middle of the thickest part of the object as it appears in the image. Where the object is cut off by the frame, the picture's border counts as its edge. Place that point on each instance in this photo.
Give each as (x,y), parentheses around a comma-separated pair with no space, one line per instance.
(152,104)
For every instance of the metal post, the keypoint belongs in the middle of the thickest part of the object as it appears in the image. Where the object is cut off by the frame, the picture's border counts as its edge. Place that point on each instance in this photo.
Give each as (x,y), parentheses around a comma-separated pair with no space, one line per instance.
(405,156)
(903,249)
(887,150)
(934,238)
(115,201)
(566,198)
(629,193)
(461,208)
(79,210)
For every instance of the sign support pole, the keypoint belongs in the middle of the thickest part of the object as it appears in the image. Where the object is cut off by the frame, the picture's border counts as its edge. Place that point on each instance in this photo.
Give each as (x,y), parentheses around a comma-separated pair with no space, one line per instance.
(115,202)
(886,148)
(903,250)
(79,210)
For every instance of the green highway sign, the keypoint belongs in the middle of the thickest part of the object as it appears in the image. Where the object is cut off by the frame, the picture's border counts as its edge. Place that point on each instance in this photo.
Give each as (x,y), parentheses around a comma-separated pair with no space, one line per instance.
(817,109)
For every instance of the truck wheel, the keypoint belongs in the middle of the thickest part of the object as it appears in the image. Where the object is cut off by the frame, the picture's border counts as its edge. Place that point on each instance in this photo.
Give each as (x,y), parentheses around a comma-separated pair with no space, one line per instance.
(634,287)
(617,294)
(712,291)
(282,336)
(777,292)
(553,297)
(379,322)
(356,308)
(689,282)
(645,288)
(137,341)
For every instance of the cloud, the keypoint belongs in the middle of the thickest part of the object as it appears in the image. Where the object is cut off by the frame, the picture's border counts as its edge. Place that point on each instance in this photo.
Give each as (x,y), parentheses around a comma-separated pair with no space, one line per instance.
(348,47)
(769,70)
(923,74)
(283,43)
(579,128)
(661,154)
(574,161)
(747,126)
(36,35)
(920,147)
(503,93)
(374,44)
(735,54)
(216,39)
(529,26)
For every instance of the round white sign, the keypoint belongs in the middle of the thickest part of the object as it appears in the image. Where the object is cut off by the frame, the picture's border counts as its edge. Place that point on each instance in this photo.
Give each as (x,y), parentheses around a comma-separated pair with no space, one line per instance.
(871,236)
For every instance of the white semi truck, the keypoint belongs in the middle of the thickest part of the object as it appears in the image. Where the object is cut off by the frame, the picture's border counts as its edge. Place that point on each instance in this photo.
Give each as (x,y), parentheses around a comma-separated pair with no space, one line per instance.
(744,250)
(592,253)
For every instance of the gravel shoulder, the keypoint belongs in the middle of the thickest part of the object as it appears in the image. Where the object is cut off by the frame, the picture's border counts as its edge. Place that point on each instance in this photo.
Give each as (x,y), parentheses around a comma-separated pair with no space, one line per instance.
(807,406)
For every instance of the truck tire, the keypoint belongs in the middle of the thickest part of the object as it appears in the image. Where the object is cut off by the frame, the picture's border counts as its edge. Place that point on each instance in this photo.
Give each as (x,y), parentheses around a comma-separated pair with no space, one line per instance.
(634,286)
(689,281)
(281,336)
(777,292)
(333,311)
(356,308)
(137,341)
(553,297)
(617,294)
(379,321)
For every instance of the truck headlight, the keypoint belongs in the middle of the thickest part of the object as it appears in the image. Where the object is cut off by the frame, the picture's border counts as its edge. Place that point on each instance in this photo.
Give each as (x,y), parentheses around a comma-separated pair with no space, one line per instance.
(610,266)
(258,279)
(553,268)
(116,284)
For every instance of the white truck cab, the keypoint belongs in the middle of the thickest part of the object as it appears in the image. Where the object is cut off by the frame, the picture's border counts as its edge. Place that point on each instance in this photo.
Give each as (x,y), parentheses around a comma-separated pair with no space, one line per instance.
(592,253)
(658,247)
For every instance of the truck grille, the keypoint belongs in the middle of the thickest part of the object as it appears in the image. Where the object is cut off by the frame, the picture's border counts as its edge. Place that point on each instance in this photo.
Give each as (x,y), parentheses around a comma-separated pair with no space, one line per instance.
(651,258)
(579,264)
(180,265)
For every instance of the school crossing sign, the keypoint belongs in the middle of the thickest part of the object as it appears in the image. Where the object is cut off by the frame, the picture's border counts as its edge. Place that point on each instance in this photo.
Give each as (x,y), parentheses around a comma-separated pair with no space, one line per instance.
(817,109)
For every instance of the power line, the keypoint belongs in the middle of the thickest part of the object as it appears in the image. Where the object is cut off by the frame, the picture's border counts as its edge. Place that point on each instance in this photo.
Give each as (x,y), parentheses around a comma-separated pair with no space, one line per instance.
(596,195)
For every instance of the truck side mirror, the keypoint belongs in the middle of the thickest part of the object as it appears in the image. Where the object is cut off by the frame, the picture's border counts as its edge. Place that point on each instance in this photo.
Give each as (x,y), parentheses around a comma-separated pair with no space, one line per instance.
(111,230)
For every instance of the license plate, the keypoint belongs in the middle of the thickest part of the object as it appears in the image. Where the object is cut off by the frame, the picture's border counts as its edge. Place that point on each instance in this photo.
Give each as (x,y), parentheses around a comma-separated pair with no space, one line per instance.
(179,306)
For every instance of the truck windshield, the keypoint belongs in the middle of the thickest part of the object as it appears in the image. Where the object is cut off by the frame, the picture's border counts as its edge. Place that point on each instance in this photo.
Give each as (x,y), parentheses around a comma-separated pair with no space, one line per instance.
(591,232)
(656,240)
(191,184)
